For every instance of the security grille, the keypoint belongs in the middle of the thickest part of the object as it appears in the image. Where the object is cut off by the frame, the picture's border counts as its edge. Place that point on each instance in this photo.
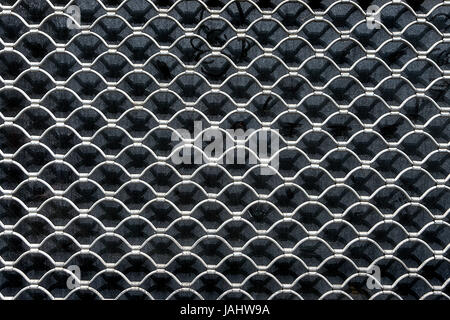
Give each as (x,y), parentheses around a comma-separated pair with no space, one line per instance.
(92,205)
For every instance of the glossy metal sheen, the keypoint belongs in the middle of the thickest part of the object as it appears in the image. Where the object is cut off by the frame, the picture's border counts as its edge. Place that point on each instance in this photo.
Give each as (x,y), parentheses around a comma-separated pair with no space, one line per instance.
(86,117)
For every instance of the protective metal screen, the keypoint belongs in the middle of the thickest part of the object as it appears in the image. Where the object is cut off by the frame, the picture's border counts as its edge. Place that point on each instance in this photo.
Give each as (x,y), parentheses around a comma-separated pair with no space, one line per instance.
(95,96)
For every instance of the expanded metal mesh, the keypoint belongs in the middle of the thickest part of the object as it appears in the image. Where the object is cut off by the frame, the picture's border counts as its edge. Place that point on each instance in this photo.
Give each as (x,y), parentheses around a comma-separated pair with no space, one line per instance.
(358,208)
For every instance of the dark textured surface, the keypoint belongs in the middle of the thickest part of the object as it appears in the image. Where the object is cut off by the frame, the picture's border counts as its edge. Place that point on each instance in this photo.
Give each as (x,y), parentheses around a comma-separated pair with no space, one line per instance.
(85,123)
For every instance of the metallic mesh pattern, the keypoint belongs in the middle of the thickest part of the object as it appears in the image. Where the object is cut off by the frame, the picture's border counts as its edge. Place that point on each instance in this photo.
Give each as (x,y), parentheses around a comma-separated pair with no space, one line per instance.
(86,117)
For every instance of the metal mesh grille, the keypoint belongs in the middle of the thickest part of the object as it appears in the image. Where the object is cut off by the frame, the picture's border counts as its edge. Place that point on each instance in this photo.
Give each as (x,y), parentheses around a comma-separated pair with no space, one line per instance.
(86,117)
